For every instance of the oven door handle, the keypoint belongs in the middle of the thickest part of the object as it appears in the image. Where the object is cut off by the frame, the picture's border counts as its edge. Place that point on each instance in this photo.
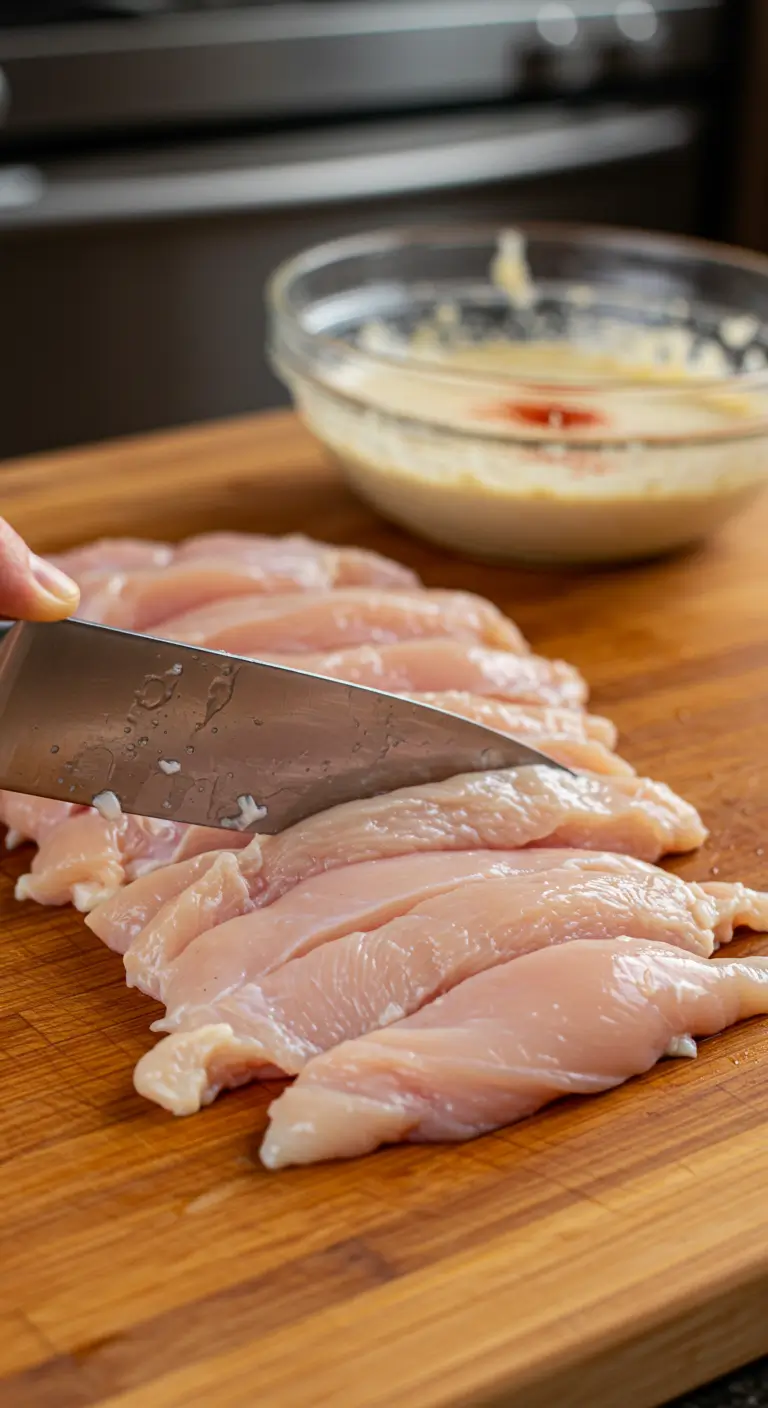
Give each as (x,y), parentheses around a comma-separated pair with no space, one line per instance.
(420,156)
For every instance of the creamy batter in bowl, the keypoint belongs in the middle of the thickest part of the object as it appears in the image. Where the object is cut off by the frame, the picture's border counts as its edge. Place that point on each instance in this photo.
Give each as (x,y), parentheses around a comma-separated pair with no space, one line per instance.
(543,394)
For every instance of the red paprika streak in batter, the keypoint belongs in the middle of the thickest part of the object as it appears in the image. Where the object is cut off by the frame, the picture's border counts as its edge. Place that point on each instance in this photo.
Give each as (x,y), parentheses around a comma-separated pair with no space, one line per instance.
(547,414)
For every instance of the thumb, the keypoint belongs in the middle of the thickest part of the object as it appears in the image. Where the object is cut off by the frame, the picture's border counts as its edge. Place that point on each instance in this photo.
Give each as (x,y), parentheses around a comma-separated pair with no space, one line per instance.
(32,589)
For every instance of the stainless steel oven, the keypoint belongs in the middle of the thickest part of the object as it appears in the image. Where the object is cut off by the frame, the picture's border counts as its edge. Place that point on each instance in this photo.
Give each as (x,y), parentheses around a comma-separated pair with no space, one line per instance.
(158,158)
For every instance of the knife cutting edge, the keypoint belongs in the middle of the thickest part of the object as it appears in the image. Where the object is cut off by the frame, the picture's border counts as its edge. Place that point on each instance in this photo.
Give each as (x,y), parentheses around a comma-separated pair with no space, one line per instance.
(152,728)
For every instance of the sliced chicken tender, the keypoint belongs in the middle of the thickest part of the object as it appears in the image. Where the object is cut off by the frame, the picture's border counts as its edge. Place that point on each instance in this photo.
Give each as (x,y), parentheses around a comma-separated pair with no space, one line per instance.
(87,857)
(137,601)
(501,810)
(505,810)
(140,600)
(218,894)
(571,723)
(199,840)
(113,554)
(579,740)
(326,907)
(32,818)
(567,1021)
(120,917)
(350,616)
(343,566)
(135,585)
(413,667)
(738,907)
(368,980)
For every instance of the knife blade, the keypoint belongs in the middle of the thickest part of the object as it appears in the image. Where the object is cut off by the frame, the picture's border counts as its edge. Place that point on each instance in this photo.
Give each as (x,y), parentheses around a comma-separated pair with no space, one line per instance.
(157,729)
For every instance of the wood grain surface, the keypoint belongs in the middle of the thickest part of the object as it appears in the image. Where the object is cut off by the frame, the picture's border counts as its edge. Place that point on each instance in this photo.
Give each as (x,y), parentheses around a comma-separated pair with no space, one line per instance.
(607,1254)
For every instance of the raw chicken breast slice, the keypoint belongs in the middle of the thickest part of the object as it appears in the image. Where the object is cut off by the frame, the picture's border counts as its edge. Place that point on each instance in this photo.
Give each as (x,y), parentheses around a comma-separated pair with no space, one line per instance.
(343,566)
(135,584)
(113,554)
(501,810)
(350,616)
(137,601)
(571,723)
(198,840)
(86,858)
(222,892)
(569,736)
(567,1021)
(32,818)
(737,906)
(358,897)
(478,811)
(414,667)
(363,981)
(119,918)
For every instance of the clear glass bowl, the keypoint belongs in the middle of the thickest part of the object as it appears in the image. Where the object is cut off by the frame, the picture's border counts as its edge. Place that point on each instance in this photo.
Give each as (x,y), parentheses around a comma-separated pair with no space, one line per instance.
(605,398)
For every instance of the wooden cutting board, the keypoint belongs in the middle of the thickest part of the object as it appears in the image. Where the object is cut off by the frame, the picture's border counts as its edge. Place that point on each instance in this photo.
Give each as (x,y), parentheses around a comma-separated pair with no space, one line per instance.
(608,1254)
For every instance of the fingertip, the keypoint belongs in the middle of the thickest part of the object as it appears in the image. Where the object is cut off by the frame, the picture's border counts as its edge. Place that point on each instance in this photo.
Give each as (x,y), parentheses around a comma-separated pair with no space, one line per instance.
(44,607)
(55,595)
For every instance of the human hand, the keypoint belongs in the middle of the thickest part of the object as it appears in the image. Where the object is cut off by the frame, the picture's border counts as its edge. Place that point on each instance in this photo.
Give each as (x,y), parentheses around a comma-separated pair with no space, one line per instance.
(32,589)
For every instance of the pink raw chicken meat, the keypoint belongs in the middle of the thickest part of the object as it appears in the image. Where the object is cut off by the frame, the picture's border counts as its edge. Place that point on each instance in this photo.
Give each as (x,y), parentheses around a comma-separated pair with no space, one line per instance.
(365,980)
(579,740)
(530,718)
(339,566)
(113,554)
(356,898)
(118,919)
(222,891)
(563,1021)
(138,600)
(32,818)
(495,811)
(342,566)
(351,616)
(417,666)
(85,858)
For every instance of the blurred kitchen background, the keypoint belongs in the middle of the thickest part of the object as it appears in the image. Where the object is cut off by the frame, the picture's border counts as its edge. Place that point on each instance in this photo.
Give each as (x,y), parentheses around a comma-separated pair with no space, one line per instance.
(159,157)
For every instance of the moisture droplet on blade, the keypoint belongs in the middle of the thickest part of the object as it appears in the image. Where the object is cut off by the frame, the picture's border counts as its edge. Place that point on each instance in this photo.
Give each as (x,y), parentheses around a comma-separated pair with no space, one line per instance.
(158,689)
(219,693)
(152,693)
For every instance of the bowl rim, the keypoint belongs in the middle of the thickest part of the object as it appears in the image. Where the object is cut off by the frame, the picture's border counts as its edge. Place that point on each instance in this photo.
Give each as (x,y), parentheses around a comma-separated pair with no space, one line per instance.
(677,248)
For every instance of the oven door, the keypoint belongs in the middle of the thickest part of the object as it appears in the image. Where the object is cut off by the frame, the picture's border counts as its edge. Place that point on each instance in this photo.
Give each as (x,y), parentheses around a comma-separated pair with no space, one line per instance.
(132,285)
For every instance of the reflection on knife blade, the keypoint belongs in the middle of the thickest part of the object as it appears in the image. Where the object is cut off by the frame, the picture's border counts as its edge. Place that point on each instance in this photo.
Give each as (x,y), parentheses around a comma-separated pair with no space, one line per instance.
(260,745)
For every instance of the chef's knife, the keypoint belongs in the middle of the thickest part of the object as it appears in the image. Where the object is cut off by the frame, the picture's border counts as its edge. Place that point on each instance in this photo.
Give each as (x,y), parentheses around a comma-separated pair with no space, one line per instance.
(184,734)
